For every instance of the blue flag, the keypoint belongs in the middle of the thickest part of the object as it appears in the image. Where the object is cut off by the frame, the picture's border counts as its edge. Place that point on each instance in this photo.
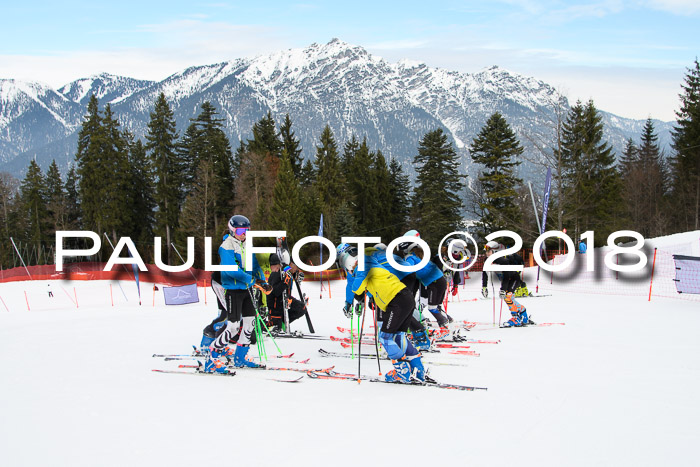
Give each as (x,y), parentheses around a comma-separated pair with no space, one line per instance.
(545,200)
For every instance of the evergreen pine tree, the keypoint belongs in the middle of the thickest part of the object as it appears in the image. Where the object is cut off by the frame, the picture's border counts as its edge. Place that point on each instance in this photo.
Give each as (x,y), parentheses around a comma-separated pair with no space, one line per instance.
(360,186)
(9,186)
(187,154)
(653,183)
(631,175)
(115,215)
(437,203)
(72,200)
(685,163)
(592,199)
(329,179)
(291,146)
(308,174)
(265,139)
(399,200)
(213,145)
(197,219)
(168,167)
(345,224)
(286,210)
(91,176)
(33,198)
(379,212)
(497,149)
(56,199)
(143,186)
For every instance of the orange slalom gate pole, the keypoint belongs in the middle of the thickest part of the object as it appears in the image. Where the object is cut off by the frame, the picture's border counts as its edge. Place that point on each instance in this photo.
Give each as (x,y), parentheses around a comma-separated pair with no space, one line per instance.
(75,292)
(3,302)
(27,300)
(110,294)
(205,292)
(653,265)
(154,295)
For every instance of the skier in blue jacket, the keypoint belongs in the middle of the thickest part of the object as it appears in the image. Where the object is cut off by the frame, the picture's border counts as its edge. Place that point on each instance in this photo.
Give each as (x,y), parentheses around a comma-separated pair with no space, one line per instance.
(239,312)
(433,284)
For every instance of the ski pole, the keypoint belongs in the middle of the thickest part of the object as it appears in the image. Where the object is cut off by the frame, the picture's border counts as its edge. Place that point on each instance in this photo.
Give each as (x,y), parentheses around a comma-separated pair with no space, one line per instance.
(352,332)
(376,339)
(259,341)
(255,305)
(493,293)
(359,345)
(499,313)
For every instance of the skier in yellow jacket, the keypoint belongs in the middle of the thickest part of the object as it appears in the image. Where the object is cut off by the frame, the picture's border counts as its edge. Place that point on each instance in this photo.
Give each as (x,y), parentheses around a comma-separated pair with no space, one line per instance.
(396,302)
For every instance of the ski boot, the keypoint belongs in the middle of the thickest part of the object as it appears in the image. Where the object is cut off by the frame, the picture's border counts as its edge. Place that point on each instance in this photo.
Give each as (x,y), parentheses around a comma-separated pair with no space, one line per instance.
(522,292)
(215,365)
(241,359)
(524,320)
(440,334)
(421,341)
(417,368)
(225,354)
(401,372)
(514,321)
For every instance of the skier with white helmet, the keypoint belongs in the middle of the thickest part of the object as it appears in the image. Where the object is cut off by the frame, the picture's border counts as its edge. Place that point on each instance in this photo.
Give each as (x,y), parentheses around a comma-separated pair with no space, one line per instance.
(420,334)
(432,282)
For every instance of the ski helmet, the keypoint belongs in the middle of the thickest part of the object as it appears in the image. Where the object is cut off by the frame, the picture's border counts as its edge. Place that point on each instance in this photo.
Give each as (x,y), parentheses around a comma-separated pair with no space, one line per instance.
(409,246)
(347,256)
(455,250)
(380,246)
(493,245)
(239,223)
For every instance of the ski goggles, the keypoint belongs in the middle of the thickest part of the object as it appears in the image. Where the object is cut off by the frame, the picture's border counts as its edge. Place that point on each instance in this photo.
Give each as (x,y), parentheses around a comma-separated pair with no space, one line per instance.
(241,230)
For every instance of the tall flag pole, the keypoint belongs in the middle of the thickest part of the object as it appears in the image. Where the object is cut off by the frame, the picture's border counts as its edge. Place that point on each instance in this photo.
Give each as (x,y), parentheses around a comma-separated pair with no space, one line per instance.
(320,249)
(545,209)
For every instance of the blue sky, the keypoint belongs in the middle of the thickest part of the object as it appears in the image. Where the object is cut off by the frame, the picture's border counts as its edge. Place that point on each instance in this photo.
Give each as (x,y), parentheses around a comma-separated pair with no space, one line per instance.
(630,57)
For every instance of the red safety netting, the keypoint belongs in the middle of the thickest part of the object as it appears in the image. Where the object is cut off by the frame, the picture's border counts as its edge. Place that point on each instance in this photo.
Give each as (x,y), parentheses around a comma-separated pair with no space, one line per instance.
(94,271)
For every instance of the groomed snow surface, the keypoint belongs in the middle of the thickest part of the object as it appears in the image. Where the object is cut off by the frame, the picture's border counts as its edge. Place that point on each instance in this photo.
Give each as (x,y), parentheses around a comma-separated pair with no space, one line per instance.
(618,384)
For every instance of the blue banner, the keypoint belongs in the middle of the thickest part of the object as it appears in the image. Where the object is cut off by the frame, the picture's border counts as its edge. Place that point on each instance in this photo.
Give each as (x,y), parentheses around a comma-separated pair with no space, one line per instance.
(181,295)
(545,200)
(320,234)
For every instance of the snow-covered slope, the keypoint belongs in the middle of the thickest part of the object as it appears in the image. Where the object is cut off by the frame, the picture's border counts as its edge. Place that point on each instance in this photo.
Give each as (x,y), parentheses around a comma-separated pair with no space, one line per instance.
(106,87)
(616,385)
(33,115)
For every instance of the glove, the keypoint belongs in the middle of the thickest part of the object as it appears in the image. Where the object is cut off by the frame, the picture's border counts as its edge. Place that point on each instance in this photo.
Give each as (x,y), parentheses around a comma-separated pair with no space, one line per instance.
(347,310)
(359,308)
(502,293)
(485,292)
(300,276)
(454,290)
(263,286)
(287,275)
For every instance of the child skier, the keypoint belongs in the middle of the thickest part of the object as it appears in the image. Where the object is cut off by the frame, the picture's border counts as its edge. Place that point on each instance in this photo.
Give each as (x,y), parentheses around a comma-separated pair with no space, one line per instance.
(281,282)
(517,311)
(396,302)
(510,280)
(239,306)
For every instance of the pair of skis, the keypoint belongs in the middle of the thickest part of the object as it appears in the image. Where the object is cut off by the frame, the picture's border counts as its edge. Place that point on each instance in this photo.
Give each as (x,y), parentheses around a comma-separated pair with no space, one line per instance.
(351,377)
